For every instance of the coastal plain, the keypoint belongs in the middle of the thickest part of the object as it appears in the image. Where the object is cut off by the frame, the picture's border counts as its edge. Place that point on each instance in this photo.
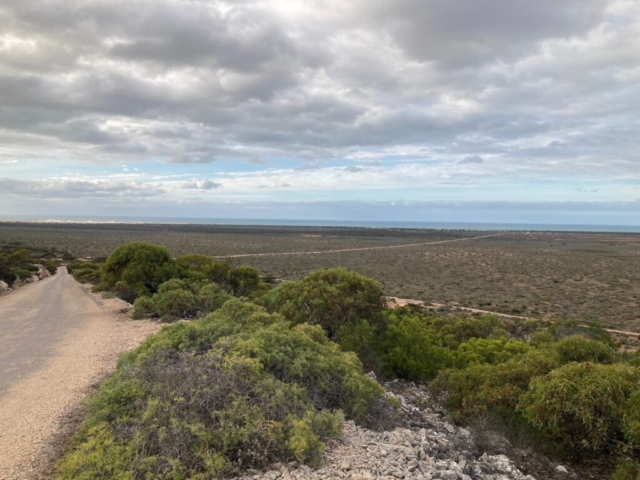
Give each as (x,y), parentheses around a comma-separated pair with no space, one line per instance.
(583,276)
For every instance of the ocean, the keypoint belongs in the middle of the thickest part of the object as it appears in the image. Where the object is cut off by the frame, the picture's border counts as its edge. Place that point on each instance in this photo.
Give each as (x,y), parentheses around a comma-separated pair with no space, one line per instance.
(331,223)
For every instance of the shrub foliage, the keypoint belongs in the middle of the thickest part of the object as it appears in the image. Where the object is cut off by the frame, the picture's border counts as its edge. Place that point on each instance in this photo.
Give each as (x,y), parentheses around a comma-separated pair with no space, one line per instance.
(331,298)
(237,389)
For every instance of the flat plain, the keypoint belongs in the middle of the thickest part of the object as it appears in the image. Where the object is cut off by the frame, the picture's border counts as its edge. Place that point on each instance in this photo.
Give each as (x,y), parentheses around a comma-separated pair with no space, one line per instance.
(584,276)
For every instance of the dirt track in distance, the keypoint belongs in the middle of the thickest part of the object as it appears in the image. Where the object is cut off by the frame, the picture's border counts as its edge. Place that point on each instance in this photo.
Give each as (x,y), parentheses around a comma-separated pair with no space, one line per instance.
(362,249)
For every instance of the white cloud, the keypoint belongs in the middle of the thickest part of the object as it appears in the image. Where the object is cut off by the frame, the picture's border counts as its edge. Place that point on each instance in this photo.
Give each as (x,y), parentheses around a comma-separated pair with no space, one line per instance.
(200,185)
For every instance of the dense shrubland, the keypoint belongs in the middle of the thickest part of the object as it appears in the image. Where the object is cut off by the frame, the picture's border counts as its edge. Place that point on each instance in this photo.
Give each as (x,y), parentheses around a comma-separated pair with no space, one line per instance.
(20,263)
(158,285)
(268,376)
(237,389)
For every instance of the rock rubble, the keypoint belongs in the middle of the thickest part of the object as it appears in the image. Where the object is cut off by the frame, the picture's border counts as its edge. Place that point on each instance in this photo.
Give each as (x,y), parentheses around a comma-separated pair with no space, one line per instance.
(427,447)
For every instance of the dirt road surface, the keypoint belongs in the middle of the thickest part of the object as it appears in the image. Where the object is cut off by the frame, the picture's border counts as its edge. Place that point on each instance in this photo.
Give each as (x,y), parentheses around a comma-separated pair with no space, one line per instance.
(359,249)
(57,341)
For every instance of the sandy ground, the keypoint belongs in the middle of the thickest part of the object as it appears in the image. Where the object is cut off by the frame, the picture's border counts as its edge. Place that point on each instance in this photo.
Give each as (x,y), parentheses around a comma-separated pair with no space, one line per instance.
(361,249)
(57,341)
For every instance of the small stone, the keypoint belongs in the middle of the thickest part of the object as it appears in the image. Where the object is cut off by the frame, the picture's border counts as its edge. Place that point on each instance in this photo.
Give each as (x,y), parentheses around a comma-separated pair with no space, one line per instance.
(345,464)
(448,475)
(561,469)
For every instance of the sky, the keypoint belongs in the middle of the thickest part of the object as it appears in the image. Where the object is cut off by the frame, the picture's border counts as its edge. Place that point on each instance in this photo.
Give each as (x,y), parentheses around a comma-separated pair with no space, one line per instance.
(411,110)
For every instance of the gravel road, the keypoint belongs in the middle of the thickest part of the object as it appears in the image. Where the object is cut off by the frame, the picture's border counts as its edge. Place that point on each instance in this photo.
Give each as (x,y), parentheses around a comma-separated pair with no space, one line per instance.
(359,249)
(57,341)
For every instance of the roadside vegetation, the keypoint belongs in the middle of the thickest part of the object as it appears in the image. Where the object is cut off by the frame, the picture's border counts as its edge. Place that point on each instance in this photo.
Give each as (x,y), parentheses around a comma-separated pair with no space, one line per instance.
(18,263)
(266,372)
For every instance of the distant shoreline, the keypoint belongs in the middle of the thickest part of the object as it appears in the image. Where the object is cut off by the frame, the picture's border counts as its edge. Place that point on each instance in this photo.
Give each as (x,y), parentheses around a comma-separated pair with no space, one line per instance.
(449,226)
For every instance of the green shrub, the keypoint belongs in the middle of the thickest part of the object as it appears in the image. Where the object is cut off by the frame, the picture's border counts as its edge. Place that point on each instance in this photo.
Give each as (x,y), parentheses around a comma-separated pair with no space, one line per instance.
(581,405)
(178,299)
(631,419)
(177,284)
(7,274)
(22,263)
(125,292)
(330,298)
(301,354)
(478,351)
(143,307)
(199,417)
(409,350)
(541,338)
(578,348)
(211,297)
(568,328)
(452,332)
(244,280)
(237,389)
(51,266)
(202,267)
(491,388)
(140,266)
(87,275)
(23,275)
(360,338)
(627,469)
(175,304)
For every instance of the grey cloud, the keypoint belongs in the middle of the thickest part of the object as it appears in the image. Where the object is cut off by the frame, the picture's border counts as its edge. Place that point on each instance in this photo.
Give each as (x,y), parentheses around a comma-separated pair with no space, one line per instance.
(71,188)
(462,33)
(201,185)
(471,159)
(543,85)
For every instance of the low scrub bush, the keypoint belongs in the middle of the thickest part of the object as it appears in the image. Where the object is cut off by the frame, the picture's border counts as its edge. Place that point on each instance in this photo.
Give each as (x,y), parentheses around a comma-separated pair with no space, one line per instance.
(21,263)
(582,405)
(330,298)
(178,299)
(237,389)
(23,275)
(480,389)
(408,349)
(89,273)
(137,269)
(51,266)
(567,328)
(627,469)
(7,274)
(578,348)
(479,351)
(451,332)
(175,304)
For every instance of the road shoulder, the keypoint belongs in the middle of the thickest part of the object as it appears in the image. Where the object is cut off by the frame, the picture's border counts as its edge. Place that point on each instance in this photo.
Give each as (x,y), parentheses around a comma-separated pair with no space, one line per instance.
(48,401)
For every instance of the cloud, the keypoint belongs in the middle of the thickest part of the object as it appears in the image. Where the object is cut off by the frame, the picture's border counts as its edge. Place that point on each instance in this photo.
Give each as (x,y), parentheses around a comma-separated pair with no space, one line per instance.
(201,185)
(543,89)
(471,159)
(65,188)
